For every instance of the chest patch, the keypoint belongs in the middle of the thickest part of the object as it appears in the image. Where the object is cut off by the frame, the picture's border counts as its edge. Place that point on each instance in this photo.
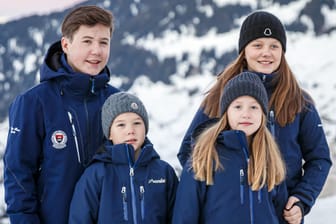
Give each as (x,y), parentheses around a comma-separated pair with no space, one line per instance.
(59,139)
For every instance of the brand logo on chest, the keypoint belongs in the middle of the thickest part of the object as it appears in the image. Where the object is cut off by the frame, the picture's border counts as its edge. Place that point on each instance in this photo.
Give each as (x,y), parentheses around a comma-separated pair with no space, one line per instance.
(157,181)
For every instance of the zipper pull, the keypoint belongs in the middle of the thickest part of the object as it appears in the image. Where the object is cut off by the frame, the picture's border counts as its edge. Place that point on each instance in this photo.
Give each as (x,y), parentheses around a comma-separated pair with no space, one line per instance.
(241,176)
(271,119)
(142,202)
(271,113)
(92,85)
(131,173)
(74,133)
(124,198)
(142,192)
(123,192)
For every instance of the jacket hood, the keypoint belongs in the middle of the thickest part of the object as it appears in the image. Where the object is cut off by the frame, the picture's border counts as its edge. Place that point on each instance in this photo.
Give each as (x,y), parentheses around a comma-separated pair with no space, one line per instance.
(124,154)
(201,127)
(270,81)
(52,63)
(233,140)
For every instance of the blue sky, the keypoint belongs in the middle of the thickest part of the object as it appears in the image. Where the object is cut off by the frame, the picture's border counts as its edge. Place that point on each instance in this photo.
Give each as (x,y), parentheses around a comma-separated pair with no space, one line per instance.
(15,9)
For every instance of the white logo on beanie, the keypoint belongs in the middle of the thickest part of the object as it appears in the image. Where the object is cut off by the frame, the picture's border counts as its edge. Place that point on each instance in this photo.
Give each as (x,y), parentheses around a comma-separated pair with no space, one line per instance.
(268,32)
(134,106)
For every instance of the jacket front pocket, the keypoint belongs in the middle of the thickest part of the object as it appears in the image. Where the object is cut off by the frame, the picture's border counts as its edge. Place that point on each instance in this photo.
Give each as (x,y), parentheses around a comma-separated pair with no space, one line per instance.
(124,202)
(142,201)
(241,179)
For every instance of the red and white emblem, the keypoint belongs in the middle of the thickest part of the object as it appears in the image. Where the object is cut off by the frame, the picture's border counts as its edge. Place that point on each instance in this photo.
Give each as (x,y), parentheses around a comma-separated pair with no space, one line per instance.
(59,139)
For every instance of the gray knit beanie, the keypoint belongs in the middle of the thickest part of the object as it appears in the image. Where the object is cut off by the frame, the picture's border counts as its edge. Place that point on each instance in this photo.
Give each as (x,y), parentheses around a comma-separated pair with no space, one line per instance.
(244,84)
(119,103)
(261,24)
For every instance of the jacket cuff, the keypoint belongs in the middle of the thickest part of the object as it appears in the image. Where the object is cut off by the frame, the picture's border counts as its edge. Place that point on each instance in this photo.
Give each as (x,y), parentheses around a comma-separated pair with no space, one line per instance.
(21,218)
(301,206)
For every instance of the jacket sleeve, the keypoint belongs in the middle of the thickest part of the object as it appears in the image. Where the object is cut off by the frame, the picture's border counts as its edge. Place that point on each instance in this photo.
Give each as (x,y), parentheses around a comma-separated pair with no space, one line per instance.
(316,155)
(189,199)
(186,145)
(85,201)
(22,159)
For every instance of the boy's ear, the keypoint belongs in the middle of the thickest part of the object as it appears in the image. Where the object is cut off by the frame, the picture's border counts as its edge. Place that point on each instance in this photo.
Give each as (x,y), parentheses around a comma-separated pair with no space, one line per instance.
(65,43)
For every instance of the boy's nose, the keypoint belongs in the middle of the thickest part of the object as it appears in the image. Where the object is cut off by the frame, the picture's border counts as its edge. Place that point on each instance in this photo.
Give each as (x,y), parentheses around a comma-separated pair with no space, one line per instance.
(95,49)
(131,131)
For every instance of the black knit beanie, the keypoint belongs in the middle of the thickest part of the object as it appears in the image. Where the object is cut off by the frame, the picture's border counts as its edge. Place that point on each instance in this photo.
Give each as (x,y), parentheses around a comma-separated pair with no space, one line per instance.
(119,103)
(244,84)
(261,24)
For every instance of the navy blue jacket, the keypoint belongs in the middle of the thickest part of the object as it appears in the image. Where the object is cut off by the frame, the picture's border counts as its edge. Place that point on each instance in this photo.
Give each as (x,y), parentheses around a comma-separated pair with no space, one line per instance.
(54,131)
(115,189)
(303,139)
(230,199)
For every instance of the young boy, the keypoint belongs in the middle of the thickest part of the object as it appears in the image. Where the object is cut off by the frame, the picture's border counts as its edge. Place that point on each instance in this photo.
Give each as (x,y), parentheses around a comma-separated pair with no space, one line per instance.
(127,181)
(53,127)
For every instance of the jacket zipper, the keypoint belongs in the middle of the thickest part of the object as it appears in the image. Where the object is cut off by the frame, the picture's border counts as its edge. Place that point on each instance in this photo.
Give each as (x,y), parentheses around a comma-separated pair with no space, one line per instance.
(74,135)
(93,86)
(124,196)
(142,201)
(245,151)
(241,173)
(271,122)
(131,173)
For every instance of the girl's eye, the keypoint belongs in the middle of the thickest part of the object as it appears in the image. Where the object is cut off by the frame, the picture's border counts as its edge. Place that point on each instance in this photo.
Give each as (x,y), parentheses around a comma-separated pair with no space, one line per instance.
(237,107)
(138,123)
(255,107)
(257,45)
(120,125)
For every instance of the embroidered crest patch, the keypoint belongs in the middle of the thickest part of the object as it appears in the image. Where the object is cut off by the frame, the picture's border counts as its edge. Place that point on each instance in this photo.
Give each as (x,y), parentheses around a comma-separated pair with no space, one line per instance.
(59,139)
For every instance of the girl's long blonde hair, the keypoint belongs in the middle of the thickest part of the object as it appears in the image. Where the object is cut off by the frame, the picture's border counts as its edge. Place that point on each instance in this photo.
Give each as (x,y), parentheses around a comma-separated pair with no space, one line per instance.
(287,98)
(266,166)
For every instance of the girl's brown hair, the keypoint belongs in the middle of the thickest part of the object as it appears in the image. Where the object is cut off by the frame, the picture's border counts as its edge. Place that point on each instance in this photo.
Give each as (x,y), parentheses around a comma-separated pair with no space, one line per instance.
(287,99)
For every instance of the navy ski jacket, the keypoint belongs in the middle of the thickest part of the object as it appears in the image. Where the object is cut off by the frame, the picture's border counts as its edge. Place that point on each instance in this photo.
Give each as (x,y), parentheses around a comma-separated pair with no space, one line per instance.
(115,189)
(303,139)
(230,199)
(55,130)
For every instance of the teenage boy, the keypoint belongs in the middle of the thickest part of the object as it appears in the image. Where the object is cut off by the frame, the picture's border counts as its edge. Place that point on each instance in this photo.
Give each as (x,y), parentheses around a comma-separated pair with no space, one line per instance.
(54,127)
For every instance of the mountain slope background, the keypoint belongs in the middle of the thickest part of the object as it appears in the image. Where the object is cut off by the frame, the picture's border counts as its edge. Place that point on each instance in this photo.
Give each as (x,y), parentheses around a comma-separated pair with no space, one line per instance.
(169,52)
